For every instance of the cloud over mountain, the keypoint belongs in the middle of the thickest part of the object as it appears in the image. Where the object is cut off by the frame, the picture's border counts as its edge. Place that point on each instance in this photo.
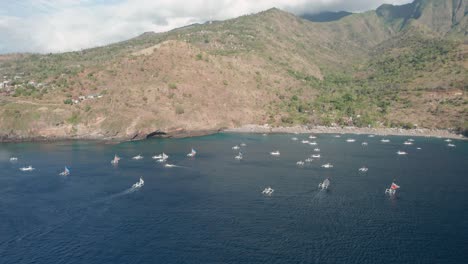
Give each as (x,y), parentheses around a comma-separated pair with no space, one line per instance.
(65,25)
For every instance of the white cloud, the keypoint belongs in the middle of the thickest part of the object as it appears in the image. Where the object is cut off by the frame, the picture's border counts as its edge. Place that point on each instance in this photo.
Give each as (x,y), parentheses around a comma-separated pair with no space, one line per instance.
(65,25)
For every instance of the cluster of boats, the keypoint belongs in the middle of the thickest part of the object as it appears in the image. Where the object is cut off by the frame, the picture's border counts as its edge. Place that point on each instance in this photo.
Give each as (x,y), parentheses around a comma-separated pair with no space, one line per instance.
(162,158)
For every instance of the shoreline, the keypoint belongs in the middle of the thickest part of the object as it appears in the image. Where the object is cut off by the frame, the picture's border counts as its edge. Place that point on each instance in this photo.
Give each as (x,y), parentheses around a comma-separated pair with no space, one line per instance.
(419,132)
(253,129)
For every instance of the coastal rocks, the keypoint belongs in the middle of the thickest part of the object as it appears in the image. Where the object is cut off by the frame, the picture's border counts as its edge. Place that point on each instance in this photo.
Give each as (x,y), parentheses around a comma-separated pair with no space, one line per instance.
(251,128)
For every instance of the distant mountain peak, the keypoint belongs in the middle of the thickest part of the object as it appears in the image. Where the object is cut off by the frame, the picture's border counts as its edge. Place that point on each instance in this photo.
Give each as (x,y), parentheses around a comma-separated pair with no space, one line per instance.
(440,16)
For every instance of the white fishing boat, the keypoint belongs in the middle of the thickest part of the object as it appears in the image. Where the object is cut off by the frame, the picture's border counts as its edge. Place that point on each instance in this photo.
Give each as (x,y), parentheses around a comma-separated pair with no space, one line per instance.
(313,143)
(448,140)
(138,157)
(371,136)
(13,159)
(243,144)
(167,165)
(115,161)
(316,149)
(385,140)
(316,156)
(350,140)
(305,141)
(139,184)
(236,147)
(400,152)
(312,137)
(392,189)
(363,169)
(450,145)
(324,185)
(327,166)
(29,168)
(268,191)
(239,156)
(192,153)
(65,172)
(275,153)
(418,148)
(294,138)
(161,158)
(410,140)
(364,143)
(300,163)
(337,136)
(408,143)
(308,160)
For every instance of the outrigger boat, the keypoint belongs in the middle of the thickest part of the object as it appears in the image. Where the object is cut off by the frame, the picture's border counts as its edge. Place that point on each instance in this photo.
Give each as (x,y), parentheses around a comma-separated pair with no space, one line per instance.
(239,156)
(327,166)
(139,184)
(317,156)
(408,143)
(275,153)
(451,145)
(235,147)
(29,168)
(13,159)
(401,152)
(268,191)
(350,140)
(324,185)
(316,149)
(66,172)
(192,153)
(300,163)
(161,158)
(115,161)
(392,189)
(363,169)
(364,143)
(385,140)
(138,157)
(294,139)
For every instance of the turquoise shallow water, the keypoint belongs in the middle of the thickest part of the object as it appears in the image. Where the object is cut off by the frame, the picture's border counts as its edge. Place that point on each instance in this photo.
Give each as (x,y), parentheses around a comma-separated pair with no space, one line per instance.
(210,209)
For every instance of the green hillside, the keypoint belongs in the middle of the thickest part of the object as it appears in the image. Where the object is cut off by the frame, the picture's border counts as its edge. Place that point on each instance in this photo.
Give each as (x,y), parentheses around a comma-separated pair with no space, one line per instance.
(402,66)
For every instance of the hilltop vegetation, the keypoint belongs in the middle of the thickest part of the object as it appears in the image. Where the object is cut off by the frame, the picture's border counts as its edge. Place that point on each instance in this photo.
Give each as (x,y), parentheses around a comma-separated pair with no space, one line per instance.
(401,66)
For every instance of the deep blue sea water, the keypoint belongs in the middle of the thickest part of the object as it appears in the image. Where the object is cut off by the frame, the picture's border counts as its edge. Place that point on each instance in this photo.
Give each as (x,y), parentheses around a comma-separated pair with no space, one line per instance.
(211,210)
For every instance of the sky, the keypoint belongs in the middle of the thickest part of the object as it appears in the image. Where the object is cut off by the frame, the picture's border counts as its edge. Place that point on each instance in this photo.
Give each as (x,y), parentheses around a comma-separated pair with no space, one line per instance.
(67,25)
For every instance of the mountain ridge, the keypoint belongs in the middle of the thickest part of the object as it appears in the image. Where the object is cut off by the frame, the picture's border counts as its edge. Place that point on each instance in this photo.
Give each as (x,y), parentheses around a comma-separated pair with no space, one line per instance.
(368,69)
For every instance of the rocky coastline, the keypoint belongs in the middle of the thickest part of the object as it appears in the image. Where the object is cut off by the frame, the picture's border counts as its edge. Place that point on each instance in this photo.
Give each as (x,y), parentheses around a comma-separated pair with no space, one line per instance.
(250,128)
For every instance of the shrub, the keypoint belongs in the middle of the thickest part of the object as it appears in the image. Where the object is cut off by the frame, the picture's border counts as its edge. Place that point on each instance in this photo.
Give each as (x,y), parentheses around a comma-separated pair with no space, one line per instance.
(179,110)
(172,86)
(199,56)
(68,101)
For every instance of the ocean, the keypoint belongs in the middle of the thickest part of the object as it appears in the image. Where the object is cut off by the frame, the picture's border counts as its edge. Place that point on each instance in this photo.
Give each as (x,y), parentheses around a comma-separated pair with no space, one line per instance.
(210,209)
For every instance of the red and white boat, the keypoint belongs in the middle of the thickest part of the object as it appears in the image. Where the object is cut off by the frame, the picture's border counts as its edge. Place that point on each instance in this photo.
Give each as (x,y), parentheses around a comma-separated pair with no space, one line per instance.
(392,189)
